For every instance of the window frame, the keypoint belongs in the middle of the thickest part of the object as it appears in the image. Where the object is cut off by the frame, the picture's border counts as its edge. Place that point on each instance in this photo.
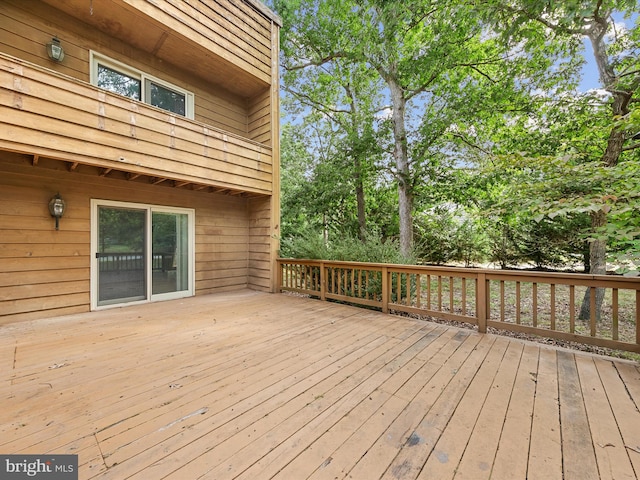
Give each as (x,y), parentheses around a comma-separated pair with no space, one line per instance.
(146,79)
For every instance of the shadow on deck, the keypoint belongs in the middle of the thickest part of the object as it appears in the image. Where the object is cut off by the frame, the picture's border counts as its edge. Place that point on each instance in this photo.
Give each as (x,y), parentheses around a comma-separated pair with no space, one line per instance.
(257,386)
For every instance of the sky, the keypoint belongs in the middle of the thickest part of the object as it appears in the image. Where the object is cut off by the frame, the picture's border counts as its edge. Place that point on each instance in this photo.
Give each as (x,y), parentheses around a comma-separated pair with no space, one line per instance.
(590,77)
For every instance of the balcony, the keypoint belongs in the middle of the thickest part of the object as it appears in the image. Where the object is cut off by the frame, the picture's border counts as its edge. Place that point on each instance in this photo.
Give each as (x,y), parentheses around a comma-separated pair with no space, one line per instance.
(50,115)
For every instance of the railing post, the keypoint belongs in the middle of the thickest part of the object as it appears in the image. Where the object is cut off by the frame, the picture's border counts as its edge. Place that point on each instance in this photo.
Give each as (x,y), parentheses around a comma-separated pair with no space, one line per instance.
(638,317)
(323,282)
(385,290)
(279,274)
(482,297)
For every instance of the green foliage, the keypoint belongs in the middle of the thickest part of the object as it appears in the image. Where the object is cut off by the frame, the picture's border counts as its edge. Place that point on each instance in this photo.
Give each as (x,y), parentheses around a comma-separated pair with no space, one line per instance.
(446,234)
(312,245)
(481,98)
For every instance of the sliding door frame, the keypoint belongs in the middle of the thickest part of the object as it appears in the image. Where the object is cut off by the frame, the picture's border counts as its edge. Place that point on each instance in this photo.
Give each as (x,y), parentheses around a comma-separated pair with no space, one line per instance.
(150,209)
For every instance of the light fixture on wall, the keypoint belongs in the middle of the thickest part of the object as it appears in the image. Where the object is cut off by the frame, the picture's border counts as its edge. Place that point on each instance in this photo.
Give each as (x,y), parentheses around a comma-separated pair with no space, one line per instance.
(56,208)
(55,50)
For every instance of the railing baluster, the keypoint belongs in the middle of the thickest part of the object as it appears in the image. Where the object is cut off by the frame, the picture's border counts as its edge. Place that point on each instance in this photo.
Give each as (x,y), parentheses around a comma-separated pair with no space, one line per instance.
(463,288)
(572,309)
(345,281)
(366,282)
(451,294)
(428,291)
(518,303)
(502,300)
(482,302)
(534,308)
(439,293)
(592,310)
(418,290)
(552,294)
(487,299)
(638,317)
(614,314)
(408,286)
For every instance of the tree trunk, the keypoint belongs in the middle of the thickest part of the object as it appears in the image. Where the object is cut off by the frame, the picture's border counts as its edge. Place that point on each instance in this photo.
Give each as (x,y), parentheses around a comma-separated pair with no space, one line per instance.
(598,266)
(360,201)
(610,157)
(403,173)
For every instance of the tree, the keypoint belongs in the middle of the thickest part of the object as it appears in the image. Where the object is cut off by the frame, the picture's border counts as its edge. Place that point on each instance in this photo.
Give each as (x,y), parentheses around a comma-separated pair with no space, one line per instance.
(435,59)
(616,53)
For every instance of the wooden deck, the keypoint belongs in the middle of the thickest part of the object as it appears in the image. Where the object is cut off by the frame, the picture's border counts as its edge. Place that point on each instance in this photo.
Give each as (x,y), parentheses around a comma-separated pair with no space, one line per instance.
(255,386)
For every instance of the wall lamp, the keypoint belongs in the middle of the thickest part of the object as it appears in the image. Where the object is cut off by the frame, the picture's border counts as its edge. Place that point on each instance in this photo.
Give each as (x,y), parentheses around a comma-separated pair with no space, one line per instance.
(56,208)
(55,50)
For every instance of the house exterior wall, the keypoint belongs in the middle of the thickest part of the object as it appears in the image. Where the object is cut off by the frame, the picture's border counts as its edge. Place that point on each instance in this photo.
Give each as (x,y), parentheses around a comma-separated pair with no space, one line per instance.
(59,133)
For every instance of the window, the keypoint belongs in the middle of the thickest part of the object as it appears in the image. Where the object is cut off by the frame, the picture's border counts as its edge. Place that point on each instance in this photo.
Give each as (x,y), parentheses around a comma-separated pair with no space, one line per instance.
(127,81)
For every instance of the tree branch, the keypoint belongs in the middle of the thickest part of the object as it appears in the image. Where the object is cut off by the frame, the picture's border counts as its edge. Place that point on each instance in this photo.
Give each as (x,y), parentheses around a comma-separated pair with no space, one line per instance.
(316,63)
(544,22)
(631,147)
(471,144)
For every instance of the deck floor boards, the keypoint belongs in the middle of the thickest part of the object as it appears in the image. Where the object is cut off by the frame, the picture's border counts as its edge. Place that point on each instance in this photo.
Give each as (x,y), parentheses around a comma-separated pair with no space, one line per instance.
(252,386)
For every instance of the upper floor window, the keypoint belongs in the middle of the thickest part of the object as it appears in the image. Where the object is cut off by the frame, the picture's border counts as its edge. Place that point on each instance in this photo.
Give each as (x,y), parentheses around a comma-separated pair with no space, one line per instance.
(127,81)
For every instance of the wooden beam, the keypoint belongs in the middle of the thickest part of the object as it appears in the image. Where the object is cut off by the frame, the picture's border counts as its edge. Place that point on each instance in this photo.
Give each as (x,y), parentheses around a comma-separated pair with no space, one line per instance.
(105,171)
(132,176)
(34,162)
(160,42)
(73,166)
(200,187)
(157,180)
(181,184)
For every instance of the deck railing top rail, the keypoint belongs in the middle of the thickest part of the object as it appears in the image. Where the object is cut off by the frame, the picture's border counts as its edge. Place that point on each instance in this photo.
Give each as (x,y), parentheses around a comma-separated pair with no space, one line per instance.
(602,310)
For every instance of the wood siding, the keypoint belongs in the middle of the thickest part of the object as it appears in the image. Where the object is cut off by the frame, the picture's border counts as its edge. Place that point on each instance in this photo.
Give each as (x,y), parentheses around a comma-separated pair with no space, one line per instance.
(28,26)
(260,244)
(44,272)
(60,133)
(56,116)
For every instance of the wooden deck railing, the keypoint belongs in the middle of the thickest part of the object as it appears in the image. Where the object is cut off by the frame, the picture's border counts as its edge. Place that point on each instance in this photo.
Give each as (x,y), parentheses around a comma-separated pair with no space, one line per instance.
(539,303)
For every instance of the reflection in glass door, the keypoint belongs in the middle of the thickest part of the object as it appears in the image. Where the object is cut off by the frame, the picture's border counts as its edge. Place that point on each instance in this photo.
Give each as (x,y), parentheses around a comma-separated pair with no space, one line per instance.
(169,240)
(121,255)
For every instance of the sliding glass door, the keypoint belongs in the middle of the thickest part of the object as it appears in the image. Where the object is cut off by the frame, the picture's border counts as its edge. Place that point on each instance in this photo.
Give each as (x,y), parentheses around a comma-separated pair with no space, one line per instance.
(142,253)
(120,255)
(170,241)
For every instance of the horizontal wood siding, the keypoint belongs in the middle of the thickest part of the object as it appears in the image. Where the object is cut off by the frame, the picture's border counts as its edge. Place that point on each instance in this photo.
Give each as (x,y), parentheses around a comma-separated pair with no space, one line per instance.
(241,34)
(26,28)
(260,240)
(44,272)
(61,118)
(260,109)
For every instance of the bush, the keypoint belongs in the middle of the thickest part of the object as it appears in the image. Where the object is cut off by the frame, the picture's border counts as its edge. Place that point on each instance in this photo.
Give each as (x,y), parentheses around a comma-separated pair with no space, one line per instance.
(311,245)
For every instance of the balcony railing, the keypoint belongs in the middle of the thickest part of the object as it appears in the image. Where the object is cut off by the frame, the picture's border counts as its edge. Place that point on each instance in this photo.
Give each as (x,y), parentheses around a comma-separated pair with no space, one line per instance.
(47,114)
(538,303)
